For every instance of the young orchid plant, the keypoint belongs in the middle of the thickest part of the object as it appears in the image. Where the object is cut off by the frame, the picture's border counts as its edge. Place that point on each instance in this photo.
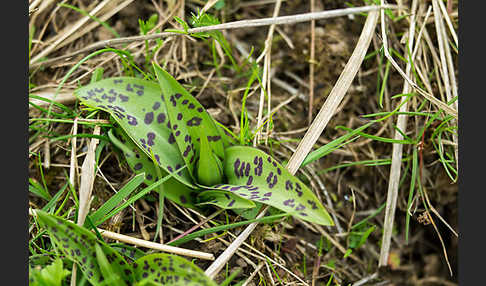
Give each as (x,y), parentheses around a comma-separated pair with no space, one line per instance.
(163,130)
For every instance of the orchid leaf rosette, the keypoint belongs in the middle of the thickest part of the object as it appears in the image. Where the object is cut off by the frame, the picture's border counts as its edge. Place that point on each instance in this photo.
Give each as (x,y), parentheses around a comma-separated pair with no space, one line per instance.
(161,125)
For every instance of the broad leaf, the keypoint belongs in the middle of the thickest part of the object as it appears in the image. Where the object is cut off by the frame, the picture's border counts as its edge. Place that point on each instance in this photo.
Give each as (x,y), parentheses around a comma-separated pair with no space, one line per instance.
(169,269)
(109,272)
(78,244)
(254,175)
(225,200)
(139,162)
(137,106)
(189,120)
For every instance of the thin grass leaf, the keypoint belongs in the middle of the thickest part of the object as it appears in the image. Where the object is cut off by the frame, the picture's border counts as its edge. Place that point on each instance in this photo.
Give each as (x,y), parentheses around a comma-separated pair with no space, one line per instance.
(38,190)
(116,199)
(331,146)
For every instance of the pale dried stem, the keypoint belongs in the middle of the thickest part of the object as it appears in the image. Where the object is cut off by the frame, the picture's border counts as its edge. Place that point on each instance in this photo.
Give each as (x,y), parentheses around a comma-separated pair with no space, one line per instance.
(231,25)
(73,162)
(156,246)
(444,249)
(248,280)
(447,66)
(336,95)
(87,178)
(295,161)
(394,178)
(265,88)
(73,29)
(108,11)
(448,21)
(312,62)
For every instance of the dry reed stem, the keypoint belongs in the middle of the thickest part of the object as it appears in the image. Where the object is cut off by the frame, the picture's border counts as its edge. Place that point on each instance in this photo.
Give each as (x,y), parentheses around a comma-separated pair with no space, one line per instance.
(231,25)
(308,141)
(336,95)
(70,31)
(446,65)
(73,162)
(87,178)
(311,63)
(109,11)
(156,246)
(64,97)
(266,82)
(394,178)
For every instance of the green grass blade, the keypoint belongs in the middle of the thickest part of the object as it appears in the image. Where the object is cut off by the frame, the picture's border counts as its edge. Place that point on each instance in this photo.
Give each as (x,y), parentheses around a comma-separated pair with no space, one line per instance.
(116,199)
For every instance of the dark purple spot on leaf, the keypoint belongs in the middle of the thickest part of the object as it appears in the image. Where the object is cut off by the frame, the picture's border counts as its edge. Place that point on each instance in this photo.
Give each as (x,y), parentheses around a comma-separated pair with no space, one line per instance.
(156,105)
(186,152)
(138,166)
(132,120)
(195,121)
(200,109)
(149,117)
(231,203)
(300,207)
(123,98)
(289,202)
(171,139)
(179,116)
(250,180)
(161,118)
(236,165)
(191,106)
(150,138)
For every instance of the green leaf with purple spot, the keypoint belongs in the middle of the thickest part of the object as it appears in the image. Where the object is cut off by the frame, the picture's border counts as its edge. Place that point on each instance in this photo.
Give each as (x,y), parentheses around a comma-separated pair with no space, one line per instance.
(78,245)
(169,269)
(255,175)
(137,106)
(173,189)
(225,200)
(189,120)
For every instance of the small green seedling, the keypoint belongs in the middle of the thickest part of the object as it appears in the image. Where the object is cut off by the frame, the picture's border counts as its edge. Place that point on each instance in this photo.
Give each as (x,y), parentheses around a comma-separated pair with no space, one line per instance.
(163,126)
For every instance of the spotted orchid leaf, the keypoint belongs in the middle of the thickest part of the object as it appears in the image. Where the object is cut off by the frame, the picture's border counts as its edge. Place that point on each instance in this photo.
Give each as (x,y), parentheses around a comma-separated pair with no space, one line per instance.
(137,106)
(225,200)
(139,162)
(78,244)
(169,269)
(109,273)
(255,175)
(189,121)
